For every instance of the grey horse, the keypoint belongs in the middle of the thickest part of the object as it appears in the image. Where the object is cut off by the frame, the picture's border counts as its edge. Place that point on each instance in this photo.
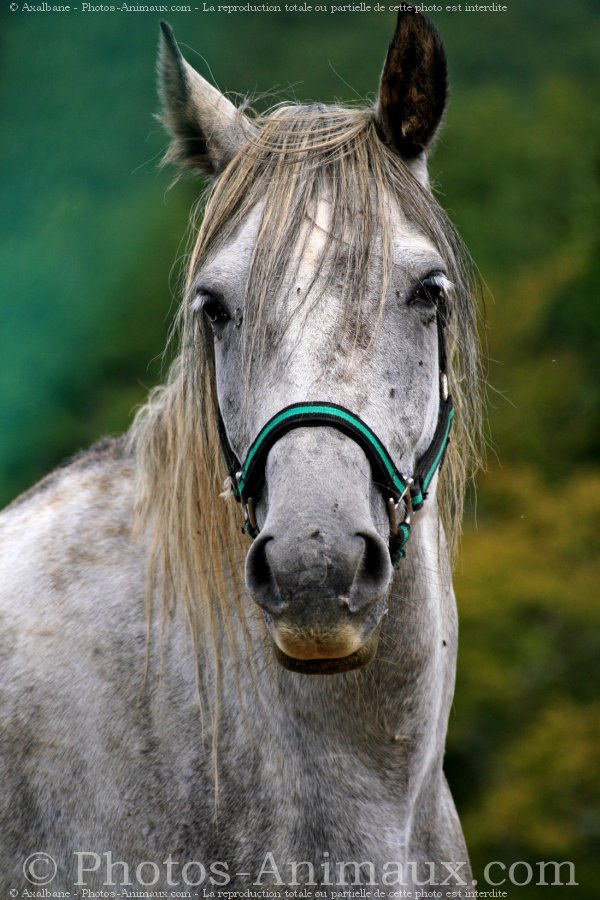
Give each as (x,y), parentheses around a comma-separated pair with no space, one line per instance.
(172,717)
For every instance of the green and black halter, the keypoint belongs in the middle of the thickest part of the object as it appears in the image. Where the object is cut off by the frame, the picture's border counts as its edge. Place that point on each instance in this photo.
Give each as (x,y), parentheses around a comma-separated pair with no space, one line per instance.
(247,478)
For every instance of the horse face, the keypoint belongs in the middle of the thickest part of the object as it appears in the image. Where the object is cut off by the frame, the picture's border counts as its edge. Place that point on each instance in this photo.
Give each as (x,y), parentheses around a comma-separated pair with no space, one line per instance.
(320,567)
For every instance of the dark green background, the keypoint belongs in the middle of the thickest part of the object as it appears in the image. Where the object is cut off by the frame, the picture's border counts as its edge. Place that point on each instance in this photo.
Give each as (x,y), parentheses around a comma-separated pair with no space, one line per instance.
(91,249)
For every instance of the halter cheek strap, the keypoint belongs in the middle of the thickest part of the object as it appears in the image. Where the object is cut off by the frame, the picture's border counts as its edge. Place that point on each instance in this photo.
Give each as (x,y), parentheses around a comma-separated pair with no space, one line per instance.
(247,478)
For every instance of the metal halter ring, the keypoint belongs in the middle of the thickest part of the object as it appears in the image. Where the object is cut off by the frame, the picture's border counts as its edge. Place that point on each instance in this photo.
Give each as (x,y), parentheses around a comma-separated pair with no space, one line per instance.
(392,508)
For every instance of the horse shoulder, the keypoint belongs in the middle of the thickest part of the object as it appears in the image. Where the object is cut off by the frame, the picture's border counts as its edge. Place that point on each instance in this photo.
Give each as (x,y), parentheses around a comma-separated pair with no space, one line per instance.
(84,761)
(71,590)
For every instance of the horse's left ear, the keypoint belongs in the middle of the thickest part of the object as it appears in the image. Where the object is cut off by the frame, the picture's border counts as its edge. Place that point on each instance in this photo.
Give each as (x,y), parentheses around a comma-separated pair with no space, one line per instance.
(413,89)
(206,128)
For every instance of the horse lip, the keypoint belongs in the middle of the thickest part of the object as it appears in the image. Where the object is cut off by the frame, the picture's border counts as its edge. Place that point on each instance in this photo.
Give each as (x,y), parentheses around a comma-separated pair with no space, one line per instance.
(356,660)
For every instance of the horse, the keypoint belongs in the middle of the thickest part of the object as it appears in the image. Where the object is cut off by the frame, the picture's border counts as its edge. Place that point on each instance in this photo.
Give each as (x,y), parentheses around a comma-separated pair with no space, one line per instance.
(172,716)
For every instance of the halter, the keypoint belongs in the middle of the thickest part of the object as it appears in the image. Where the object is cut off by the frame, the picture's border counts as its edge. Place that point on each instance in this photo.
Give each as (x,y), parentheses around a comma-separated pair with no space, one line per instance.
(247,478)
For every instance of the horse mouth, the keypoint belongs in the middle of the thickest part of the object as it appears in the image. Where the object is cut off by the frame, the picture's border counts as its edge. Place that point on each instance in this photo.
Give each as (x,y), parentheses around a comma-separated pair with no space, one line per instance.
(334,666)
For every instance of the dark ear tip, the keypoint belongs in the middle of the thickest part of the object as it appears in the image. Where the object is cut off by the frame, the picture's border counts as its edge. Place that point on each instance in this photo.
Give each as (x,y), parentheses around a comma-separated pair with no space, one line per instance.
(404,14)
(419,21)
(168,36)
(172,80)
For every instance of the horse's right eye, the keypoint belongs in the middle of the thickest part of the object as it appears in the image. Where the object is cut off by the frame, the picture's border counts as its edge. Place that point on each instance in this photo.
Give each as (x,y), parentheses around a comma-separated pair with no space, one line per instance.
(211,306)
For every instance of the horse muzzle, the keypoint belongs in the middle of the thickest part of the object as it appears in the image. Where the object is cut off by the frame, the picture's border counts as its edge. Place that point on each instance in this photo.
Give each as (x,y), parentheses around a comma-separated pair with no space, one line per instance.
(323,595)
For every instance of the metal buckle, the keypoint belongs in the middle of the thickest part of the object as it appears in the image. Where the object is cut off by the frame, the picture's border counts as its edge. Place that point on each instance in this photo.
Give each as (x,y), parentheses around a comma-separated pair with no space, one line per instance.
(250,514)
(407,497)
(444,386)
(392,508)
(248,509)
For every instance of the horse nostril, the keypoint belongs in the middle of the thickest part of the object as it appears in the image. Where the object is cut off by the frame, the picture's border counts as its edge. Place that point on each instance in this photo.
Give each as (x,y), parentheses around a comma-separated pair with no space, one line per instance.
(259,577)
(373,573)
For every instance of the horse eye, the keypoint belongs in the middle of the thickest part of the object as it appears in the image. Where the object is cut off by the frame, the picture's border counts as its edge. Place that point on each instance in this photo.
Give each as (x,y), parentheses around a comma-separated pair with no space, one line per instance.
(430,290)
(211,306)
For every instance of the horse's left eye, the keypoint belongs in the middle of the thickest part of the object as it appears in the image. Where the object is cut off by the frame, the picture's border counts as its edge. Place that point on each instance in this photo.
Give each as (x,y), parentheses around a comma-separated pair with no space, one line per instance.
(430,290)
(211,306)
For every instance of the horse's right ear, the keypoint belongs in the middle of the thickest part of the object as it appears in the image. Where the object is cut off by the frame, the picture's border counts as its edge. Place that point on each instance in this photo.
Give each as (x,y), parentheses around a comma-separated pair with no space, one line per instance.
(206,128)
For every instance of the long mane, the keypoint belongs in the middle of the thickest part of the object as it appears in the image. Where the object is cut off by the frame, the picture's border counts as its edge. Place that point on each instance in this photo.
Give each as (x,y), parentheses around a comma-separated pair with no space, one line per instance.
(299,156)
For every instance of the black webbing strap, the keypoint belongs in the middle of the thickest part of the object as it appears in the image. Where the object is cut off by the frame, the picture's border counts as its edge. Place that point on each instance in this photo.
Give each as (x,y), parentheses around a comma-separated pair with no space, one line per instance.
(433,457)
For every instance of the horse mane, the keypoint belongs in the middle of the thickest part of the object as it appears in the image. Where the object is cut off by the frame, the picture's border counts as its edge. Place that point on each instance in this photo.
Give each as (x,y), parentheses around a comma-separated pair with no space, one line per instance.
(299,156)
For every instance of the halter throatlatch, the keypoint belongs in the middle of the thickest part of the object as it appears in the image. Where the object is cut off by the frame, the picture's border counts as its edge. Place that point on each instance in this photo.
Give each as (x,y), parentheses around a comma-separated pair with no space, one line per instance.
(247,478)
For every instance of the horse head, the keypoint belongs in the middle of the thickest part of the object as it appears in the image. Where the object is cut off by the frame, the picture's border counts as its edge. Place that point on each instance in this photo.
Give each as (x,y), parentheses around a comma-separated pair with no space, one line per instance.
(319,291)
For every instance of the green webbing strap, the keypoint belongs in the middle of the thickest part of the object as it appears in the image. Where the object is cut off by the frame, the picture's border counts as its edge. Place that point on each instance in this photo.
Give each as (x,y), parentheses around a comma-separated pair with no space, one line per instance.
(301,415)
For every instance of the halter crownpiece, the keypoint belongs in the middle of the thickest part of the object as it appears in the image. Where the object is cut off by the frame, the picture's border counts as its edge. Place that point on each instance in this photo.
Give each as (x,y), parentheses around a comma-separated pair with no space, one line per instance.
(247,478)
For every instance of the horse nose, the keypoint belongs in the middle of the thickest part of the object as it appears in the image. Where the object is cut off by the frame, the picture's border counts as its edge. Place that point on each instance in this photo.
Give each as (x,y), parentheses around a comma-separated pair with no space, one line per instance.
(313,570)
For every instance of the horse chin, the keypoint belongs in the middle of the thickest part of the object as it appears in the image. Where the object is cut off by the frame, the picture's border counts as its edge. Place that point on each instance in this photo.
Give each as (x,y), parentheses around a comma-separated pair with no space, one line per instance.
(333,666)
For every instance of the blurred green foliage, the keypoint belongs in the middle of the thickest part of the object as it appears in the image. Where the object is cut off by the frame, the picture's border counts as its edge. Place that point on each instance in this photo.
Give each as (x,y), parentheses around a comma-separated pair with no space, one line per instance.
(89,235)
